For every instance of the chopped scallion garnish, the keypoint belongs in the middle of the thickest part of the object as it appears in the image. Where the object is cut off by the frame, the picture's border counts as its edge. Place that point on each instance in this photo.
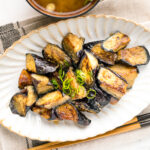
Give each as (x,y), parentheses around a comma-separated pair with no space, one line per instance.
(91,93)
(80,77)
(55,83)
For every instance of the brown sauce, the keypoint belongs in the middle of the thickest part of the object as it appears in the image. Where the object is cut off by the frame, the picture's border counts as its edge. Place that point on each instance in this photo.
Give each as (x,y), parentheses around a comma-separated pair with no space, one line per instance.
(63,5)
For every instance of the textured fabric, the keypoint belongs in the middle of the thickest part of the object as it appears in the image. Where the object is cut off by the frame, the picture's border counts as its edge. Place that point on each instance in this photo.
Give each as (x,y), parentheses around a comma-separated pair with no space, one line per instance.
(130,9)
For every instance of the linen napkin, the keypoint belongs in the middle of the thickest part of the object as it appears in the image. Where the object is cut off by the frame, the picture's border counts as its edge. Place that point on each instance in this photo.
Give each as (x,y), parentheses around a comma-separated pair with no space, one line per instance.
(131,9)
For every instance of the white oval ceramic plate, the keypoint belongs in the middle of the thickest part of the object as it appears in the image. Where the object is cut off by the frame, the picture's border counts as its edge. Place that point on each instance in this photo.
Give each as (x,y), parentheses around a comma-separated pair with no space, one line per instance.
(92,28)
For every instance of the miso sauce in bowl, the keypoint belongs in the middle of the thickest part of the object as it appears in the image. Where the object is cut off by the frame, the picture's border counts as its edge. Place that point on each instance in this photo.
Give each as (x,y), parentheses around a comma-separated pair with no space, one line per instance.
(62,5)
(63,8)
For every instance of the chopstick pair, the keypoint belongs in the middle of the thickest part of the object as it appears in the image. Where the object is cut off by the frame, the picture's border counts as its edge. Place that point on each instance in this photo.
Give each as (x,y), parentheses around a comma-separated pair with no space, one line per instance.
(136,123)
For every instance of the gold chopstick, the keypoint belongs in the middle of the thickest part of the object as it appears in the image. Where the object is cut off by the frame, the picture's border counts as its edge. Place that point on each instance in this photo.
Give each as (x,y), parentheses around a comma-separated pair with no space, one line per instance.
(135,123)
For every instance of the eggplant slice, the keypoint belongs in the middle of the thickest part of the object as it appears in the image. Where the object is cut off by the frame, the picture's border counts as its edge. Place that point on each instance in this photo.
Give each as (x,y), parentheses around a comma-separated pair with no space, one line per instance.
(18,104)
(102,98)
(79,92)
(31,96)
(69,112)
(89,66)
(86,105)
(115,42)
(135,56)
(54,54)
(42,84)
(24,79)
(111,83)
(104,56)
(52,99)
(89,45)
(45,113)
(73,46)
(37,64)
(129,73)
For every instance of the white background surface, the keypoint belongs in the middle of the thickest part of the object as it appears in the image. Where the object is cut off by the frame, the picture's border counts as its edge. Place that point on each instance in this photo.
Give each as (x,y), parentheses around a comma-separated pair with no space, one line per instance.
(14,10)
(138,10)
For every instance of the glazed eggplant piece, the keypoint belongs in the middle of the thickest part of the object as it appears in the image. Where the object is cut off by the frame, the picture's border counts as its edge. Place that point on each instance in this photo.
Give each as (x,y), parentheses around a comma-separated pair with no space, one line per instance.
(24,79)
(86,105)
(115,42)
(31,96)
(48,114)
(69,112)
(89,45)
(112,83)
(37,64)
(89,66)
(129,73)
(42,84)
(54,54)
(78,92)
(52,99)
(135,56)
(104,56)
(102,98)
(18,104)
(73,46)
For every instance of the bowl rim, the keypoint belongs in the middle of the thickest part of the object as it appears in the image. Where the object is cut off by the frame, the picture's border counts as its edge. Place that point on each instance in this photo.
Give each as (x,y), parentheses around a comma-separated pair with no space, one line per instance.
(66,15)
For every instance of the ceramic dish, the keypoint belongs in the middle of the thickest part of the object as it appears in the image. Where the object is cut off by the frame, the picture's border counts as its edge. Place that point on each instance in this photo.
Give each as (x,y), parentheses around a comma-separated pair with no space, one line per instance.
(92,28)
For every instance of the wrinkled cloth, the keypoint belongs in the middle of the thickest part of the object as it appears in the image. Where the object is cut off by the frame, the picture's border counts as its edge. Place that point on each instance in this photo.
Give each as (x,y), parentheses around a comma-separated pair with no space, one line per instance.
(136,10)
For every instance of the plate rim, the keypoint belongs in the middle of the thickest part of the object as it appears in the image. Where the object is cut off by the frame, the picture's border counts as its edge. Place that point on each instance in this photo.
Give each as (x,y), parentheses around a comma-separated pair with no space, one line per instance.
(45,27)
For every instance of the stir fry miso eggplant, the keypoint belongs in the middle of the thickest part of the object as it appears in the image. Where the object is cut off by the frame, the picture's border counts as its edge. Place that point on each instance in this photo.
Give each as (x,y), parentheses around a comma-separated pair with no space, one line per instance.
(77,77)
(24,79)
(52,99)
(129,73)
(103,56)
(21,102)
(70,112)
(115,42)
(54,54)
(135,56)
(37,64)
(89,66)
(112,83)
(42,84)
(73,46)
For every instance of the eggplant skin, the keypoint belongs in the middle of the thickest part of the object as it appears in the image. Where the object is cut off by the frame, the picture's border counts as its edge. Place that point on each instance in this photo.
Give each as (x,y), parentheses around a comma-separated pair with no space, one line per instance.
(69,112)
(31,96)
(102,98)
(104,56)
(135,56)
(129,73)
(54,54)
(75,85)
(24,79)
(89,45)
(18,104)
(86,105)
(115,42)
(52,99)
(37,64)
(42,84)
(112,83)
(89,65)
(73,46)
